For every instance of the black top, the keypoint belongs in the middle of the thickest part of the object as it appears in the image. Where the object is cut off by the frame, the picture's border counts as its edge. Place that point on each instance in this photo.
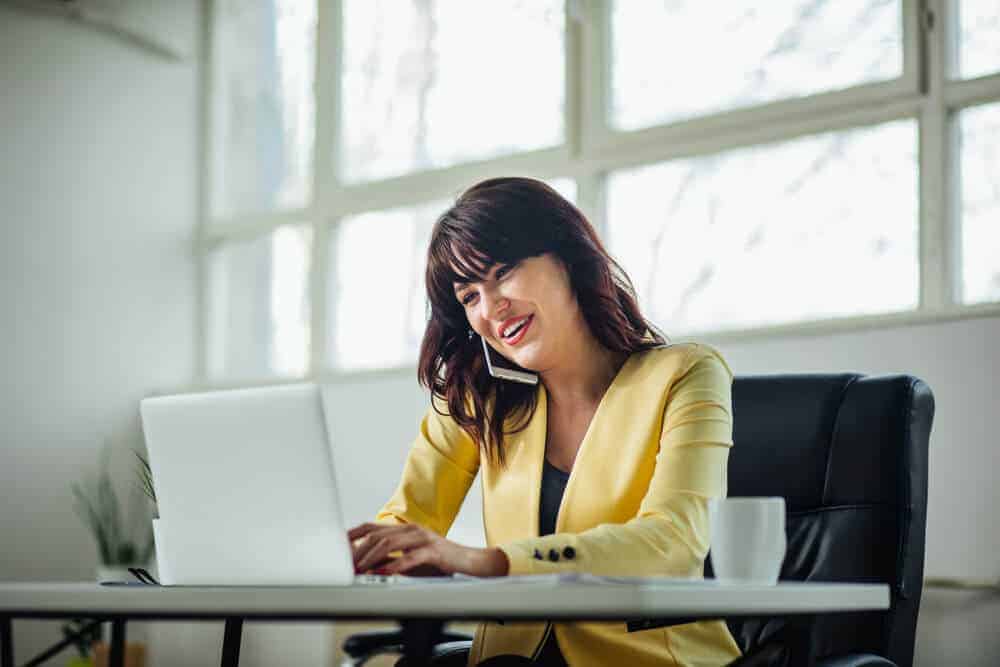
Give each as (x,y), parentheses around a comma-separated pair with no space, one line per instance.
(553,486)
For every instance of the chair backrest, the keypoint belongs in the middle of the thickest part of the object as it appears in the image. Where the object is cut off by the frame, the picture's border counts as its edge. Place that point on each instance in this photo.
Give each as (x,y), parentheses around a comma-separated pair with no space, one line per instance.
(849,455)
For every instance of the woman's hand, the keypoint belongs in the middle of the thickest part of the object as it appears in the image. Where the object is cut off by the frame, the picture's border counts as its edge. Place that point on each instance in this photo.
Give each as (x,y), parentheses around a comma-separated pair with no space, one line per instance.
(423,552)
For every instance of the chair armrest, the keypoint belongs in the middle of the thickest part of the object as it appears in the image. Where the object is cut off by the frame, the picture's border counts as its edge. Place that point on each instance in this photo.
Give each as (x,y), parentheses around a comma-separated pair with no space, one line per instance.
(364,643)
(855,660)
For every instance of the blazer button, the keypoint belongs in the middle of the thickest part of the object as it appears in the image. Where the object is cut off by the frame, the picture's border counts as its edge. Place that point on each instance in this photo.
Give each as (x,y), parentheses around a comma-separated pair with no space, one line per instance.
(569,553)
(553,555)
(538,555)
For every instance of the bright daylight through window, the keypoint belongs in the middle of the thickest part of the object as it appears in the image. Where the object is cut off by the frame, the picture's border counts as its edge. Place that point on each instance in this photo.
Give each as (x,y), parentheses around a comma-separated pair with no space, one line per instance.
(734,185)
(436,83)
(761,235)
(773,50)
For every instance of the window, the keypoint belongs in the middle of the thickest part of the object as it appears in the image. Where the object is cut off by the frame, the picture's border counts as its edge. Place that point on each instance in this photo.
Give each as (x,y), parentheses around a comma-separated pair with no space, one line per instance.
(263,106)
(734,158)
(979,37)
(980,203)
(684,58)
(436,83)
(260,306)
(378,291)
(761,235)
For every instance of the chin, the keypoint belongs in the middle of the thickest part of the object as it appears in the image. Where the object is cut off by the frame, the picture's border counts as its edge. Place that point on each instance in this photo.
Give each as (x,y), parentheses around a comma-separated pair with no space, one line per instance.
(527,359)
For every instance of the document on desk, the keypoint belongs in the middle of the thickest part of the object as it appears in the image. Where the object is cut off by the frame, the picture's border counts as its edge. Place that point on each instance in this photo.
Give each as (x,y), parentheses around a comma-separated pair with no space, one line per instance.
(553,579)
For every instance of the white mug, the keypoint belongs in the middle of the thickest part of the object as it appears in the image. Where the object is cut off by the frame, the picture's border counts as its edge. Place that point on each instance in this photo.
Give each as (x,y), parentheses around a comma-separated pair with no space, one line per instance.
(748,539)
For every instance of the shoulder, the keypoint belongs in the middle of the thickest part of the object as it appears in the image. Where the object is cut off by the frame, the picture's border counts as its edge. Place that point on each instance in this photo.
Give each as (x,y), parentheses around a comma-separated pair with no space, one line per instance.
(664,365)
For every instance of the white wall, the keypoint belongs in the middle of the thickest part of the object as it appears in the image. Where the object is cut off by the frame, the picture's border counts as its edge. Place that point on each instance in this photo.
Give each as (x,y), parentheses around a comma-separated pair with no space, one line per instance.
(97,212)
(373,420)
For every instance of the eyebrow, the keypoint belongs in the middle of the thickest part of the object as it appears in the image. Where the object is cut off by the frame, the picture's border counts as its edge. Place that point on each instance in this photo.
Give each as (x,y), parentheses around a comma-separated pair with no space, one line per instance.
(462,283)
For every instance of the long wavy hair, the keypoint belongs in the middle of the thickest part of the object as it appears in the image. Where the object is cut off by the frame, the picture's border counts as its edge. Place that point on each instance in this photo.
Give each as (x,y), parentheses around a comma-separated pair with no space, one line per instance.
(502,221)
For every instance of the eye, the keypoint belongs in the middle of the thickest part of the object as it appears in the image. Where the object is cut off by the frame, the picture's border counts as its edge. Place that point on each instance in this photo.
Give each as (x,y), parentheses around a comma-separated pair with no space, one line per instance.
(467,298)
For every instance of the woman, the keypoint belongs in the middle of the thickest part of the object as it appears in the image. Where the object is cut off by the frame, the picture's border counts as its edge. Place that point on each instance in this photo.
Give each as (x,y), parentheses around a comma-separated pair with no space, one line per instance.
(606,466)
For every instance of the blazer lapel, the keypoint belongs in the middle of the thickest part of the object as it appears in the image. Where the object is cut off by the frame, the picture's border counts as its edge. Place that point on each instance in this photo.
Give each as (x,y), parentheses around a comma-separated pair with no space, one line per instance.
(513,494)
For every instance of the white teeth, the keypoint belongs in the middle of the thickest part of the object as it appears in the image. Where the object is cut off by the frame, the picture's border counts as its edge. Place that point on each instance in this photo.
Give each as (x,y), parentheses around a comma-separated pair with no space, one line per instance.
(510,331)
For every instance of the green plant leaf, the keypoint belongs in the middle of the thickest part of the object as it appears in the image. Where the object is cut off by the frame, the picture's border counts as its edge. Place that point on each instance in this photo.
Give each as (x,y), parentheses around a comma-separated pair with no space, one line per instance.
(89,513)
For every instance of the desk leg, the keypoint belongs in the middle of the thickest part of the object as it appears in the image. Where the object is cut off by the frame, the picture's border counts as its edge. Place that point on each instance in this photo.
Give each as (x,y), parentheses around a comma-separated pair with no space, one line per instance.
(116,657)
(419,638)
(6,642)
(231,642)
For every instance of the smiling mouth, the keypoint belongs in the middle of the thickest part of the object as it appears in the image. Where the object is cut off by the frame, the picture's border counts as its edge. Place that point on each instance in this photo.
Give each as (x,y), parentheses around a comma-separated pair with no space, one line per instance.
(516,333)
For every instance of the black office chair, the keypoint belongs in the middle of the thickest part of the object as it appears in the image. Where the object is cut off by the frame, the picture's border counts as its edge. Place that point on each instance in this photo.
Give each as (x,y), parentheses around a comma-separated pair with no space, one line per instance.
(849,455)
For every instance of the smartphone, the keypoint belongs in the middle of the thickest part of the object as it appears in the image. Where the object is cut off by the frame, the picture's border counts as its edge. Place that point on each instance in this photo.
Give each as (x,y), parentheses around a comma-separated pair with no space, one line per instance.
(500,367)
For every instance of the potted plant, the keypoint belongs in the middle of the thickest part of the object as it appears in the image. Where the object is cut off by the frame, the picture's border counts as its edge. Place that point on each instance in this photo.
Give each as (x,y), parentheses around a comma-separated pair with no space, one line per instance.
(84,634)
(146,482)
(124,538)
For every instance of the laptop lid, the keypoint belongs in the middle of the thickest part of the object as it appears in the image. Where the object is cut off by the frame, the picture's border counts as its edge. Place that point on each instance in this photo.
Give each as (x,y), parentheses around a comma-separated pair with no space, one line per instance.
(245,487)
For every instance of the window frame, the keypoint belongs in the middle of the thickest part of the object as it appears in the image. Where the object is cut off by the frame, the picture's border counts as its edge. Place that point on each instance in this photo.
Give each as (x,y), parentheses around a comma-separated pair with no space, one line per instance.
(592,147)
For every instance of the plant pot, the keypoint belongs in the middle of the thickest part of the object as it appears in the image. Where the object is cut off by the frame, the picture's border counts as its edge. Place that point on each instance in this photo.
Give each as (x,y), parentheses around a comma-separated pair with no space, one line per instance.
(117,573)
(135,654)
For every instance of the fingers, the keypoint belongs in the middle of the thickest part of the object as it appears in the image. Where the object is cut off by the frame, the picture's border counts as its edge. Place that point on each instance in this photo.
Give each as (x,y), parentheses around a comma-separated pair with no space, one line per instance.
(378,545)
(360,531)
(422,558)
(362,537)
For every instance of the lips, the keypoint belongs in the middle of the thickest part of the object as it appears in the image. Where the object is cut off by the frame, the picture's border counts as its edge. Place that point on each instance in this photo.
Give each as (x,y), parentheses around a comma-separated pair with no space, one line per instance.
(517,324)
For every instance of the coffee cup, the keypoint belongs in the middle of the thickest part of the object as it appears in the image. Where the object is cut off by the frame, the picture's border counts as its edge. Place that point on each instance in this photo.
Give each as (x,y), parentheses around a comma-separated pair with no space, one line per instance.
(748,539)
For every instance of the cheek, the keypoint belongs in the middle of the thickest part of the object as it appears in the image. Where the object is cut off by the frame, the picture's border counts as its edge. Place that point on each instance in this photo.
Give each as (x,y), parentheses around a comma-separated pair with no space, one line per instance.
(475,319)
(555,299)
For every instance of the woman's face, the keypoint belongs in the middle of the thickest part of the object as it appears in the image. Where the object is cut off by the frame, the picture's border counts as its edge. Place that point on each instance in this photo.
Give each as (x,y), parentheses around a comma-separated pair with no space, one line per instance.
(526,311)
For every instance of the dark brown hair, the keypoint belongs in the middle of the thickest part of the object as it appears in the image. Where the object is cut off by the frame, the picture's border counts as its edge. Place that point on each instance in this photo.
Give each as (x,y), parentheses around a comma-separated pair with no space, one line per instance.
(502,221)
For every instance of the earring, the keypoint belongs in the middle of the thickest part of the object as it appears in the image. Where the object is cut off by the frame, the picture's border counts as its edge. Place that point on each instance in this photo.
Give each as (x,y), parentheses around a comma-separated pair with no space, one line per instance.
(471,334)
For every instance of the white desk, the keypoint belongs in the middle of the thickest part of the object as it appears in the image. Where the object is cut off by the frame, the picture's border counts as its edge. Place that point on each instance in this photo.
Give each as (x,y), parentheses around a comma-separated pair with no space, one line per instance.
(528,598)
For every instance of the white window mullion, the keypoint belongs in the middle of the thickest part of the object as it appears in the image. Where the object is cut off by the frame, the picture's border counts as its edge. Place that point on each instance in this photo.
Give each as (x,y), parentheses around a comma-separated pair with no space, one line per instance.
(590,29)
(590,200)
(206,76)
(575,81)
(327,78)
(325,154)
(939,261)
(914,70)
(590,23)
(973,91)
(318,297)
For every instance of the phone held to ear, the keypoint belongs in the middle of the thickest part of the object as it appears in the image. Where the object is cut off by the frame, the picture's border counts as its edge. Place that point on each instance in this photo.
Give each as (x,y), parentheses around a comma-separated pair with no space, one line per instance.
(500,367)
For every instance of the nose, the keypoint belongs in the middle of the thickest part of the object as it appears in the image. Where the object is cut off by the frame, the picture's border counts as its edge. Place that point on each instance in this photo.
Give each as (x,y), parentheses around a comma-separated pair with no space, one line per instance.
(494,304)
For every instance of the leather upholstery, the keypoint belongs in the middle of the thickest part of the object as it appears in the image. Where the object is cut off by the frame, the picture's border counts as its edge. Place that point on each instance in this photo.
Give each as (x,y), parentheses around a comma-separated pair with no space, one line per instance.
(849,455)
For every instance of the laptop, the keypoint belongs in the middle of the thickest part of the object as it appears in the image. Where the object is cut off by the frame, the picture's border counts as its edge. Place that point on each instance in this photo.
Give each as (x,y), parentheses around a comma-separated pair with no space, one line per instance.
(245,489)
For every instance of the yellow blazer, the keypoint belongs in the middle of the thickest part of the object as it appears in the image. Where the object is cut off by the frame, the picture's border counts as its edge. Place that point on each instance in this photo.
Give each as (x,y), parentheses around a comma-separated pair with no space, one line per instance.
(636,502)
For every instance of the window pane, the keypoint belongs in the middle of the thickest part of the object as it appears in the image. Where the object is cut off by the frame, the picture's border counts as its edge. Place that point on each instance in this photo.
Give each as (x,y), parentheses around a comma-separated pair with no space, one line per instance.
(263,105)
(564,186)
(676,59)
(817,227)
(432,83)
(378,301)
(980,165)
(259,306)
(979,38)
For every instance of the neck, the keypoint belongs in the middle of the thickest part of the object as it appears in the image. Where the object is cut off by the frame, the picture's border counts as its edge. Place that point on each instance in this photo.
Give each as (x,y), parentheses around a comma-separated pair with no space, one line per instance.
(584,375)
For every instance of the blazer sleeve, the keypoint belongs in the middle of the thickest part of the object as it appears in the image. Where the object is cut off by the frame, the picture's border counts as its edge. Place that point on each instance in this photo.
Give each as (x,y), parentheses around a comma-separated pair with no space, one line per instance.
(670,534)
(440,467)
